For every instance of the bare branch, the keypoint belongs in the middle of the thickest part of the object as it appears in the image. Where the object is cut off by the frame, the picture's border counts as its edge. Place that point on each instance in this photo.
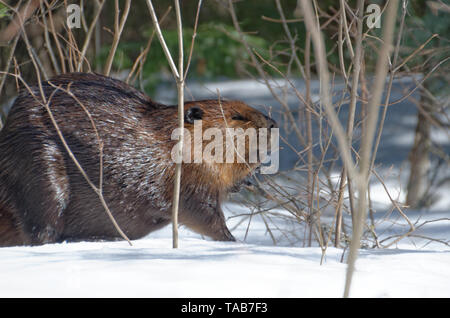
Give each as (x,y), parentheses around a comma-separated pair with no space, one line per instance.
(118,28)
(173,68)
(367,139)
(89,35)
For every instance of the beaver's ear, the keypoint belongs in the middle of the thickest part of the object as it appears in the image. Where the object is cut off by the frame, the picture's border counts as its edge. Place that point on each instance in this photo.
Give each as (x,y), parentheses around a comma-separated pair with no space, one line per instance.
(193,113)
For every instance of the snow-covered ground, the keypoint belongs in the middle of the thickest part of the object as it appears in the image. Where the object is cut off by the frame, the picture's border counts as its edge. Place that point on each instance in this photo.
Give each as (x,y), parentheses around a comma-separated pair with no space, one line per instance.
(202,268)
(253,266)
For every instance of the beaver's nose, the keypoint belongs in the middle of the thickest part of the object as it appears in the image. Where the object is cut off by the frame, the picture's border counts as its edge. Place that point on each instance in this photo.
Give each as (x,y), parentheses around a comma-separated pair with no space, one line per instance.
(271,123)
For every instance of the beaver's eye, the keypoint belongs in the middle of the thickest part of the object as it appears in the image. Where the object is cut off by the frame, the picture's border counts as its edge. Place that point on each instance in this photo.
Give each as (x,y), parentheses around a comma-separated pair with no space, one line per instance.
(192,114)
(239,117)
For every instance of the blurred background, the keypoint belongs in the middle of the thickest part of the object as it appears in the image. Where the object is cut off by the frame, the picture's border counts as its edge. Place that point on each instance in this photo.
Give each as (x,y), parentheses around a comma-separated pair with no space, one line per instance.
(260,52)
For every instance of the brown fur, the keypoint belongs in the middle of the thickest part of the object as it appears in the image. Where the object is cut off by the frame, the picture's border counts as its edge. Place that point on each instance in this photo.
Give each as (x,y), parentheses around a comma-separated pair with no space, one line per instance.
(43,196)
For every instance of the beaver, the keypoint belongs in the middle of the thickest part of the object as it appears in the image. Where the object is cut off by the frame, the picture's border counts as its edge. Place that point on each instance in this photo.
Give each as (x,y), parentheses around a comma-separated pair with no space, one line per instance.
(45,199)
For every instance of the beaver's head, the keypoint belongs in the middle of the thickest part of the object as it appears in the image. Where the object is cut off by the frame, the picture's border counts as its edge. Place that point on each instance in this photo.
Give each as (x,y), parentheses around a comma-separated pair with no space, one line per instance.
(225,139)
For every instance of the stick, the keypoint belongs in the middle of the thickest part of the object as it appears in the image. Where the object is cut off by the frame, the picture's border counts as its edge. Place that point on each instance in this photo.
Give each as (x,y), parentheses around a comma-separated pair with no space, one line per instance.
(352,108)
(180,87)
(161,40)
(118,28)
(180,79)
(367,139)
(89,35)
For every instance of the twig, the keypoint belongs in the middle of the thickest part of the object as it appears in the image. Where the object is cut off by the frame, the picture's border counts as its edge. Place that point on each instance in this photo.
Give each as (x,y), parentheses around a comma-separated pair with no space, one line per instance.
(140,60)
(19,20)
(347,36)
(391,80)
(280,20)
(180,86)
(166,51)
(87,41)
(367,139)
(415,52)
(309,136)
(291,40)
(319,49)
(55,37)
(179,77)
(351,112)
(47,41)
(118,28)
(193,38)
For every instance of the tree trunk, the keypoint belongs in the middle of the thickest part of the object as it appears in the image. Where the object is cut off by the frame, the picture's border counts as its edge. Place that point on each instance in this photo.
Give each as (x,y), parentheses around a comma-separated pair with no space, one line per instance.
(419,157)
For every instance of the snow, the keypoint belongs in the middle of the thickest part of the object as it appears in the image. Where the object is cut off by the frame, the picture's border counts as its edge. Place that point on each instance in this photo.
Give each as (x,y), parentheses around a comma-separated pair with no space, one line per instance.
(202,268)
(253,266)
